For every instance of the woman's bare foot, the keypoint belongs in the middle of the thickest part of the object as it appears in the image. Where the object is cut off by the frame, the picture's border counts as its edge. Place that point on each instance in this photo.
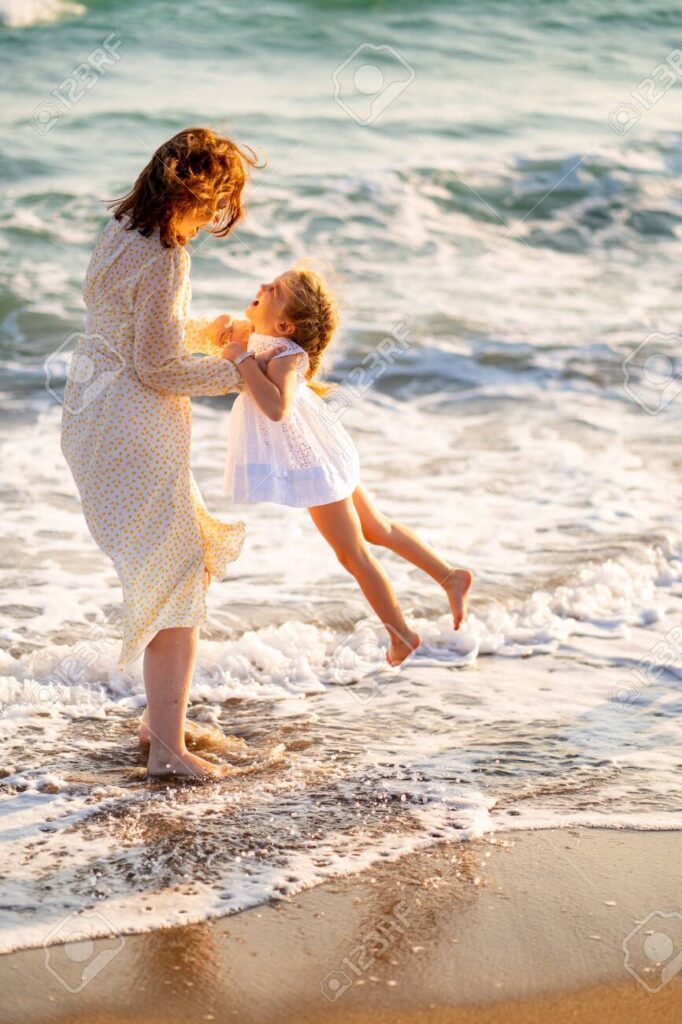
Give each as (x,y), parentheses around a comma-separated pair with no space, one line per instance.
(457,587)
(401,647)
(199,737)
(185,766)
(143,734)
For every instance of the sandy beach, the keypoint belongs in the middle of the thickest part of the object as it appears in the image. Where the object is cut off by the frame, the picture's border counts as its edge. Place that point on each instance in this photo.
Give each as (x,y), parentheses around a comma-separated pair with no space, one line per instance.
(523,927)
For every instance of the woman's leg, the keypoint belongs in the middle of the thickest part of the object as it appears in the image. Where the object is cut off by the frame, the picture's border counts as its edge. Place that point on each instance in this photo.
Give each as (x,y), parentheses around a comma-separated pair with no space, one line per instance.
(340,526)
(377,529)
(168,666)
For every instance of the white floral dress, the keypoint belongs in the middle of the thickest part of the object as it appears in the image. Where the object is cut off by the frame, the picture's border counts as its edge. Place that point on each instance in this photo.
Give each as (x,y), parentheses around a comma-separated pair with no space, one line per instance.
(305,460)
(126,432)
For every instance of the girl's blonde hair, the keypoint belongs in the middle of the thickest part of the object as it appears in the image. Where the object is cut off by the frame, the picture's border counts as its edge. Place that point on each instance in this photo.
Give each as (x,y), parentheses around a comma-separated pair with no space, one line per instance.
(313,310)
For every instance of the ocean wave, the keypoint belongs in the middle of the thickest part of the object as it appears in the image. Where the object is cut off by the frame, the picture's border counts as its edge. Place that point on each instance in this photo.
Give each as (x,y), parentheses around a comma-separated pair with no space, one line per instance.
(570,202)
(458,241)
(296,658)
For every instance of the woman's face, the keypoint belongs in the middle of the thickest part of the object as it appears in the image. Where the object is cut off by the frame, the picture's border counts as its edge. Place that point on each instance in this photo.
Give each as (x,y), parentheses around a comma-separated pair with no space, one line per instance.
(199,217)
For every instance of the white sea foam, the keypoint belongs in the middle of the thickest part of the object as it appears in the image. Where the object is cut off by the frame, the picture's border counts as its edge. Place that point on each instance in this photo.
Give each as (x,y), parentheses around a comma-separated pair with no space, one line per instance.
(529,715)
(24,13)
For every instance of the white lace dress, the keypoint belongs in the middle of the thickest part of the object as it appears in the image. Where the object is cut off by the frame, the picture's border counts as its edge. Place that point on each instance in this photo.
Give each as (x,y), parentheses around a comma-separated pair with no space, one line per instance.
(304,460)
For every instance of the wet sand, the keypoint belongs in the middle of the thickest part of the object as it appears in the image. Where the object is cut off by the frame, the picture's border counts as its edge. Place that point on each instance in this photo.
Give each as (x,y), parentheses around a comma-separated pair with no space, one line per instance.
(526,927)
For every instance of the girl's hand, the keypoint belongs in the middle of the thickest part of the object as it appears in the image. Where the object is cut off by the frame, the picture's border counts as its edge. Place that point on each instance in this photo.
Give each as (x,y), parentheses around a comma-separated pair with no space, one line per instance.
(217,326)
(265,357)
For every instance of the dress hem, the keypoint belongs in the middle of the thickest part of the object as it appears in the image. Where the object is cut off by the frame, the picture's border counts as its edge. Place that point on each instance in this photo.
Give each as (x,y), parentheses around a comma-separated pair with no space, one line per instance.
(124,662)
(244,503)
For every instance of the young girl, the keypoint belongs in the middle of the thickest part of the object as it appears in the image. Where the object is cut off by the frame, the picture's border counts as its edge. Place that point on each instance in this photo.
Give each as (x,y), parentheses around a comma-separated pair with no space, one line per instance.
(284,449)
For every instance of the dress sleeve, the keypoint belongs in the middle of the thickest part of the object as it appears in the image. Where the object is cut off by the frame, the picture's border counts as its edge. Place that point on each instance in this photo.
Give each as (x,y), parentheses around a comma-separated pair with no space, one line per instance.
(159,352)
(197,338)
(291,349)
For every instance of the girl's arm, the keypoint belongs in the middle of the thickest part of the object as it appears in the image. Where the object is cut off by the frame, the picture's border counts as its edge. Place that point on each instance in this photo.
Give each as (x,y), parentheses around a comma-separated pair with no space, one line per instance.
(273,392)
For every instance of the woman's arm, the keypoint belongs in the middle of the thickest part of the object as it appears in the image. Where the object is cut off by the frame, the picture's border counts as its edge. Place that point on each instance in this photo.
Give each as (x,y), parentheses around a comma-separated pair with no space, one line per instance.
(203,334)
(159,353)
(273,391)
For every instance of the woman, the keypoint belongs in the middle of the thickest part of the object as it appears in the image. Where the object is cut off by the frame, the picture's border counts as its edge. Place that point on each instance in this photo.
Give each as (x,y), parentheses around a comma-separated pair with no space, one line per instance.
(127,420)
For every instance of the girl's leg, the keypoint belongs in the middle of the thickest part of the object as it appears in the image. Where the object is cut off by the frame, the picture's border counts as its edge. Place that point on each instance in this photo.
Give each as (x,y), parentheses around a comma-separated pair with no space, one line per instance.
(340,526)
(377,529)
(168,666)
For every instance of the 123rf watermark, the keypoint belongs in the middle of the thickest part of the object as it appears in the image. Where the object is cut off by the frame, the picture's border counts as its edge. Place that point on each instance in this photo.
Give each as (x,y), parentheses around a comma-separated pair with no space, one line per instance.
(90,365)
(647,93)
(665,653)
(365,953)
(84,76)
(653,950)
(652,372)
(369,80)
(359,660)
(72,957)
(69,682)
(373,366)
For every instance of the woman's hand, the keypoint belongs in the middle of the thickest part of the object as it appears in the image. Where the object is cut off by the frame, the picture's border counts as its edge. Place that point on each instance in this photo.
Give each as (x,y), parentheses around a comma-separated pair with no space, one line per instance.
(235,338)
(217,326)
(236,332)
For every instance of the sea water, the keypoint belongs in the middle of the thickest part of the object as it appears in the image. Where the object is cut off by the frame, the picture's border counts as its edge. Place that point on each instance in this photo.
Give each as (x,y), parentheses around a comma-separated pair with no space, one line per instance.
(499,195)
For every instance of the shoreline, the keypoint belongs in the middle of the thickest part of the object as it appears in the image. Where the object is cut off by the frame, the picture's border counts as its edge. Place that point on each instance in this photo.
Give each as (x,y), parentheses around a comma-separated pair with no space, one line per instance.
(522,926)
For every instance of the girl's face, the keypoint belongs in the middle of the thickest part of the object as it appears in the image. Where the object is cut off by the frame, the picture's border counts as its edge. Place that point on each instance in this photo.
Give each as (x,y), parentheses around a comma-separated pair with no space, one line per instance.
(266,312)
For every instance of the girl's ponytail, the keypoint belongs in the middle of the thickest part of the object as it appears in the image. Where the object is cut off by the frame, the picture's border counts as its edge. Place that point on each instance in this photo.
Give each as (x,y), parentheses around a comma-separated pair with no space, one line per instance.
(313,310)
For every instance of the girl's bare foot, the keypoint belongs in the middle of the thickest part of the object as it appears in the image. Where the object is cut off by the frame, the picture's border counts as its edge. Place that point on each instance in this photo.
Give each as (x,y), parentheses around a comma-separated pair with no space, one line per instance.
(185,766)
(457,587)
(401,647)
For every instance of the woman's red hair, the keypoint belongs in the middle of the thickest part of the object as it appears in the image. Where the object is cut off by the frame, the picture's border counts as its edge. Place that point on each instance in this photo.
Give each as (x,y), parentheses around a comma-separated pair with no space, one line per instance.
(195,169)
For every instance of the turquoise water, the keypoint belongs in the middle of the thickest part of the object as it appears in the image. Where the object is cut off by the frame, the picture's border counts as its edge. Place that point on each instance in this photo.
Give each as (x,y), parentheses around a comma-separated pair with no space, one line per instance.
(505,100)
(507,190)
